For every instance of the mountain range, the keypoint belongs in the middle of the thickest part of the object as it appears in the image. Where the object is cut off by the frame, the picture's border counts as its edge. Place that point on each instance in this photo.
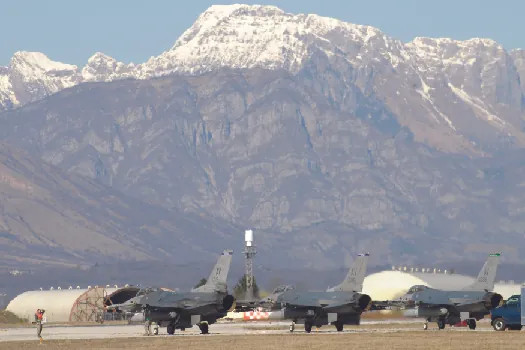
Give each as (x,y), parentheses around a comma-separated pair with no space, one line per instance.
(326,137)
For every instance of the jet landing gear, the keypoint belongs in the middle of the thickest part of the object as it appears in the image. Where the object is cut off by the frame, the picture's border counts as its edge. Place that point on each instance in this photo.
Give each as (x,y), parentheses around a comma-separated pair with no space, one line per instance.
(203,326)
(441,323)
(308,326)
(471,323)
(338,326)
(171,329)
(292,327)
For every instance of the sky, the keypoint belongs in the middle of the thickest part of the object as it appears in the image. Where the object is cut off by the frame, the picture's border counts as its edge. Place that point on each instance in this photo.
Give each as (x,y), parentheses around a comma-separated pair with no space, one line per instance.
(133,31)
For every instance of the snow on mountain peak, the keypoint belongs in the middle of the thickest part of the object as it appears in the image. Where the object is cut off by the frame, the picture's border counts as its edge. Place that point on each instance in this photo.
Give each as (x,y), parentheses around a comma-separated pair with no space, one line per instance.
(246,36)
(101,67)
(37,62)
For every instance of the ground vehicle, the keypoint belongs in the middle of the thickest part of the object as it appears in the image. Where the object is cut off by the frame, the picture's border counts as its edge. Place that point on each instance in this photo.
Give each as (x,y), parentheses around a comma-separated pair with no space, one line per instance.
(508,315)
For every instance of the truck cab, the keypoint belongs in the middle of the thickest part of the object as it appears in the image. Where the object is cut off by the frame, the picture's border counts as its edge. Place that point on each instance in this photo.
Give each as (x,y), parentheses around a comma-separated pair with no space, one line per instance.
(508,315)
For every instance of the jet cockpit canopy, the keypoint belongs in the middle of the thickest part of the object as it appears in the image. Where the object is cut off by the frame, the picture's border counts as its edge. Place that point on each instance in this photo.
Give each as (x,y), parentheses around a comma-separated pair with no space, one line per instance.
(282,288)
(147,290)
(417,288)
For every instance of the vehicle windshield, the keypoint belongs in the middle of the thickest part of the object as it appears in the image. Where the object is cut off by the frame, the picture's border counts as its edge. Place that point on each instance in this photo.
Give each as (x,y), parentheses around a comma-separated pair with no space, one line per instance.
(283,288)
(416,289)
(513,300)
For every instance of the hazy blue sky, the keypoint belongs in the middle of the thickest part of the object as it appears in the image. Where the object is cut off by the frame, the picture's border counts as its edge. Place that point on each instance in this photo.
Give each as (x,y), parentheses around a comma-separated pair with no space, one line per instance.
(71,31)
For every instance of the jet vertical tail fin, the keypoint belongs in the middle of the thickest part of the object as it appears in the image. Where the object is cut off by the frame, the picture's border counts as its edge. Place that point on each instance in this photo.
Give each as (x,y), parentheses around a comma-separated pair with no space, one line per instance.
(219,275)
(355,277)
(487,275)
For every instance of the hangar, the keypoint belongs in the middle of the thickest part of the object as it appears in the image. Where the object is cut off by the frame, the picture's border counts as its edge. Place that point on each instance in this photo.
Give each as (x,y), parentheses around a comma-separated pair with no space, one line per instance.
(70,305)
(388,285)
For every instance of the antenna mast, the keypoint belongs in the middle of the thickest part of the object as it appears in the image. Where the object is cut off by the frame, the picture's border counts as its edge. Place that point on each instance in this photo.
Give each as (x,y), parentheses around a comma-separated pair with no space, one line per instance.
(249,253)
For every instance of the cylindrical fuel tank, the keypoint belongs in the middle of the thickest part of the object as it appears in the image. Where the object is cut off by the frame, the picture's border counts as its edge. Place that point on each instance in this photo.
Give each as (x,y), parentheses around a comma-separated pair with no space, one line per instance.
(424,312)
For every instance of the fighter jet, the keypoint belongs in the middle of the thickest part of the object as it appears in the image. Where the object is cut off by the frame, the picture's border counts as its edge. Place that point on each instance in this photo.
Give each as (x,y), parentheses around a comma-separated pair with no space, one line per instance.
(201,306)
(451,307)
(340,305)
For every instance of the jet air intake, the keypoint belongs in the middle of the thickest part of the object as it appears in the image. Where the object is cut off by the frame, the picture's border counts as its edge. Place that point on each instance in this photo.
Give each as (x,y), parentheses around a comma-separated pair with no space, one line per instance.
(492,300)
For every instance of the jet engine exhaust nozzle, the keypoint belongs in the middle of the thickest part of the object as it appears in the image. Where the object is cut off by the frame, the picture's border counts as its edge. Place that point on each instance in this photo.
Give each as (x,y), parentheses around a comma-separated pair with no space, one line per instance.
(364,301)
(227,302)
(493,300)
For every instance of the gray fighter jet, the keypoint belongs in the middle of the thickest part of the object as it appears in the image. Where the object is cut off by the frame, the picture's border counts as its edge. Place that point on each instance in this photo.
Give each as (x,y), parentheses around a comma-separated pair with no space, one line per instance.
(452,306)
(340,305)
(201,306)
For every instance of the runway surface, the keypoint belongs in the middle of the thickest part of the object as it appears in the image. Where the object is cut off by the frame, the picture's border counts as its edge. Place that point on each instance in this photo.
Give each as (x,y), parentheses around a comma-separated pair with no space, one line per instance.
(261,327)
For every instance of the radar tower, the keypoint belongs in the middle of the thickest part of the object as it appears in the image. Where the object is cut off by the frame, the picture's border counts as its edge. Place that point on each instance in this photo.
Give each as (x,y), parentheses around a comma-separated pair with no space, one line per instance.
(249,253)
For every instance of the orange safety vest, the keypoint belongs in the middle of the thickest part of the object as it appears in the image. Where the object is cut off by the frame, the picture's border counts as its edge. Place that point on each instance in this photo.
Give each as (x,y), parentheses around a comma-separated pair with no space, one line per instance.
(39,316)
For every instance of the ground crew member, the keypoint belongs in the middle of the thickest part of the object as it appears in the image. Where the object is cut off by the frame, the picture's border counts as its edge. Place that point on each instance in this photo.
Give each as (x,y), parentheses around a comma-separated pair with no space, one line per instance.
(147,324)
(39,315)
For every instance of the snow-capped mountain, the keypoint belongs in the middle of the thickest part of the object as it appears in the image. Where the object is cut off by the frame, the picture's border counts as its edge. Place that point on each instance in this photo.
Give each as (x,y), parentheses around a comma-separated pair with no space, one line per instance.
(329,137)
(438,87)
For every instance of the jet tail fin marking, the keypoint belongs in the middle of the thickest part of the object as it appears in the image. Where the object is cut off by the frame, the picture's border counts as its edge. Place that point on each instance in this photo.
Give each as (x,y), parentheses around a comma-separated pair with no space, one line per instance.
(217,279)
(487,275)
(355,277)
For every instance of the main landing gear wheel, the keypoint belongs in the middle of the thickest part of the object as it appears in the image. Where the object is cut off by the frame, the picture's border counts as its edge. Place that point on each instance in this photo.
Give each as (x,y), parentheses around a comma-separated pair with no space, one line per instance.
(338,326)
(471,323)
(441,323)
(292,327)
(425,326)
(170,329)
(307,327)
(204,328)
(156,330)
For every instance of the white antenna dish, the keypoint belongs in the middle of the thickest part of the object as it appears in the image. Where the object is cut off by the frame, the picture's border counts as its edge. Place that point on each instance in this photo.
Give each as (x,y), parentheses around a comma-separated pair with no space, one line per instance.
(51,288)
(59,288)
(116,286)
(70,288)
(89,287)
(107,286)
(78,287)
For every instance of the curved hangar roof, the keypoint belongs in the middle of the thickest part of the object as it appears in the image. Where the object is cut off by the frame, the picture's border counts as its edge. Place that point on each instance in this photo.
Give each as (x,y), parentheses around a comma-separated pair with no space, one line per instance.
(69,305)
(388,285)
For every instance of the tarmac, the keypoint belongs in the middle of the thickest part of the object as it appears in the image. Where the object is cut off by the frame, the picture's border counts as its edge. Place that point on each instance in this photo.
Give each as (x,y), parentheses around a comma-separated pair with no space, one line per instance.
(52,332)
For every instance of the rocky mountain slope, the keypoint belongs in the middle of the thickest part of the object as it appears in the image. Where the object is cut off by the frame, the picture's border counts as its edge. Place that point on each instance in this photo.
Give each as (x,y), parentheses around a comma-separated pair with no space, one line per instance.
(439,88)
(317,178)
(50,218)
(328,138)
